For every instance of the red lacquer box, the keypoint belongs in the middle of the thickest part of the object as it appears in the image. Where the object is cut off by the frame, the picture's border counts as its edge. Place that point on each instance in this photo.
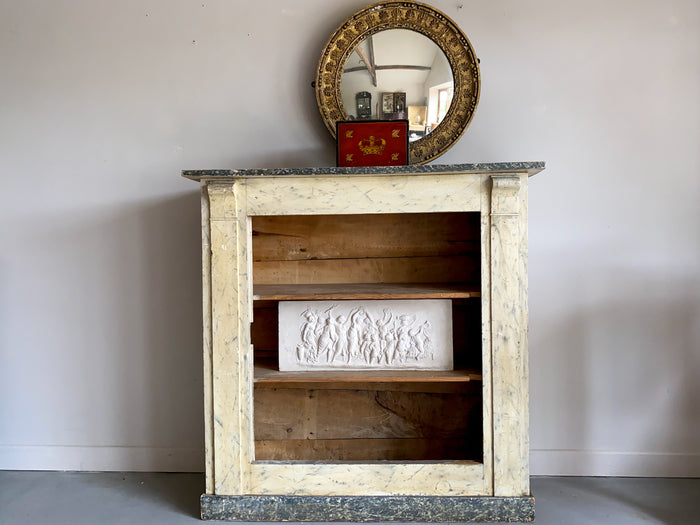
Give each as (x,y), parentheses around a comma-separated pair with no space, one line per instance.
(372,143)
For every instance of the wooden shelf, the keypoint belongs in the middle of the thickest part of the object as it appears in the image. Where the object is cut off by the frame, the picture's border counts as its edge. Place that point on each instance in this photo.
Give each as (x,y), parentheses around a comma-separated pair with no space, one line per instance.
(334,292)
(267,374)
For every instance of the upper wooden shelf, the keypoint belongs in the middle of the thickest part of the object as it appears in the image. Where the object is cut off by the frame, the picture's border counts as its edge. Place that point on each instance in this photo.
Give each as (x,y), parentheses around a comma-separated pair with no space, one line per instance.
(334,292)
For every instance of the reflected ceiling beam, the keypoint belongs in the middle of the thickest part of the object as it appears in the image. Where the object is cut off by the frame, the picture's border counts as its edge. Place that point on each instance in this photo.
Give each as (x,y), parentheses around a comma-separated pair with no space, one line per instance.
(369,62)
(372,59)
(382,68)
(412,68)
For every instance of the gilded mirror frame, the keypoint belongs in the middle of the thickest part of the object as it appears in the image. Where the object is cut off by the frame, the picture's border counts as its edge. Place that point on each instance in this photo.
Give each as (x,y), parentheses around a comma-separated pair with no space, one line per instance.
(423,19)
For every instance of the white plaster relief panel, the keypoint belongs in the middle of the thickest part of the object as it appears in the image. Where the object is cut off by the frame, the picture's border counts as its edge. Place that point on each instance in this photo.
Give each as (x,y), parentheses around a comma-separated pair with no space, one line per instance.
(365,335)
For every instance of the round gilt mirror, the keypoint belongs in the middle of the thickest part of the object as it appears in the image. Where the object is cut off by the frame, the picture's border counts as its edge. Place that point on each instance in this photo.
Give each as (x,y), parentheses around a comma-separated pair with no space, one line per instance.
(401,60)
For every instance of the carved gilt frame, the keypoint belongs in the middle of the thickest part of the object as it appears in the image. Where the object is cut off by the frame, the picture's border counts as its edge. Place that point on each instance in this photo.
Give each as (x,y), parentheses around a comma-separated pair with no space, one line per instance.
(425,20)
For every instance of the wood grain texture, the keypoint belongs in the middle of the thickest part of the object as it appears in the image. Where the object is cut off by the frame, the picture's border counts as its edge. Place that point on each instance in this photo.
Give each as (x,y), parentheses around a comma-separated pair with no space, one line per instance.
(360,414)
(457,269)
(472,387)
(369,291)
(386,449)
(305,237)
(374,248)
(266,373)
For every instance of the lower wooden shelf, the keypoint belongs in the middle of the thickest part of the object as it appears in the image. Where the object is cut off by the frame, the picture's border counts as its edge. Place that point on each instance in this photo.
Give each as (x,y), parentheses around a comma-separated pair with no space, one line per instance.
(266,374)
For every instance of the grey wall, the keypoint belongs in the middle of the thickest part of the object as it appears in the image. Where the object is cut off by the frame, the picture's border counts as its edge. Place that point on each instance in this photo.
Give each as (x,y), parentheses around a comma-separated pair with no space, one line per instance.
(103,103)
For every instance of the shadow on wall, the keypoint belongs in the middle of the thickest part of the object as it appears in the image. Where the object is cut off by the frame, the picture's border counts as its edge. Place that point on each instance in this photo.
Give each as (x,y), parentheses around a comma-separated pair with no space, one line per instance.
(155,351)
(615,383)
(105,327)
(170,242)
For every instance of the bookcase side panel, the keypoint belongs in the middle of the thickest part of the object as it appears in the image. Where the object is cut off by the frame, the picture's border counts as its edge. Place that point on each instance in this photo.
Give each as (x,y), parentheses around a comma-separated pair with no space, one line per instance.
(231,349)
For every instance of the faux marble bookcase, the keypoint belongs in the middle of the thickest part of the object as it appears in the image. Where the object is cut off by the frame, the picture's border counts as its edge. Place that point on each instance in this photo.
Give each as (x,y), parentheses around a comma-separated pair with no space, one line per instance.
(316,268)
(365,335)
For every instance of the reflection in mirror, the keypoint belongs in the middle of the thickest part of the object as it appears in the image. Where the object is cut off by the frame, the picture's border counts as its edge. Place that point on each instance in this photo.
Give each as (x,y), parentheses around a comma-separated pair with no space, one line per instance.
(398,74)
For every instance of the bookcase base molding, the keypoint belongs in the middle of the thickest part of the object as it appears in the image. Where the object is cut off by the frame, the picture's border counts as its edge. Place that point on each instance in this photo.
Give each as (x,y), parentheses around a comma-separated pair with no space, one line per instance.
(379,444)
(401,509)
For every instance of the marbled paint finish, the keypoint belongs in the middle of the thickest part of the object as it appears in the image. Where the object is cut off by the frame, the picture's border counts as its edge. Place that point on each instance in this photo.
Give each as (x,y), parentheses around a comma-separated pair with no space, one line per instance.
(238,487)
(365,509)
(368,194)
(232,360)
(509,335)
(441,478)
(530,168)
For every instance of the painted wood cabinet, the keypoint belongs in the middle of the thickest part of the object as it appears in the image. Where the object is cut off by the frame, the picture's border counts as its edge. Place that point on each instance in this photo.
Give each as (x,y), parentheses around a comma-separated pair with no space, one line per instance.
(374,445)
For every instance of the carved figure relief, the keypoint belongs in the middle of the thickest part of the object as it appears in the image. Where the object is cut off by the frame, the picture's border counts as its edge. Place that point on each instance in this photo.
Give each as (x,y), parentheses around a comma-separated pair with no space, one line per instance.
(366,334)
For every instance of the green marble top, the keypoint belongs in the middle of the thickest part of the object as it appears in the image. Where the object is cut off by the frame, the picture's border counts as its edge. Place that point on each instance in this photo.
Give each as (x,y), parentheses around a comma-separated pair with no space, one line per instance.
(503,167)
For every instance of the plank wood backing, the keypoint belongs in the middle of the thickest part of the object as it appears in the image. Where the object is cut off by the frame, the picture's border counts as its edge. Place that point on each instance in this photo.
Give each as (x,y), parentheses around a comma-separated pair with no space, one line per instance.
(359,414)
(264,329)
(432,269)
(410,449)
(308,237)
(374,417)
(389,248)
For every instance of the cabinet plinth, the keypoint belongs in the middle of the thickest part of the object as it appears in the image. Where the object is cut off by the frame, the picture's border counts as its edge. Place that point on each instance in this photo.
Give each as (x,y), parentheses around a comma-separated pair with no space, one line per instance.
(359,444)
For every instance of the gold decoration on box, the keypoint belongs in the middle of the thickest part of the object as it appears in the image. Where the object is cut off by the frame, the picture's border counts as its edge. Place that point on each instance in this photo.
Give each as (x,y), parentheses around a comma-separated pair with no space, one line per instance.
(372,145)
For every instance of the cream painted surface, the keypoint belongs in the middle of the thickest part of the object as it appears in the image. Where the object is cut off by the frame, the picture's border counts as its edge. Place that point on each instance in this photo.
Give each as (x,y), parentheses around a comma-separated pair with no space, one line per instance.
(354,194)
(509,337)
(369,479)
(232,362)
(225,362)
(233,199)
(103,103)
(207,348)
(486,361)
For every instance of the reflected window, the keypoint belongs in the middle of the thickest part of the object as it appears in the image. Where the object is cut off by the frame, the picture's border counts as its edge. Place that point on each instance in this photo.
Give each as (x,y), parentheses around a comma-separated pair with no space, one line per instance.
(444,101)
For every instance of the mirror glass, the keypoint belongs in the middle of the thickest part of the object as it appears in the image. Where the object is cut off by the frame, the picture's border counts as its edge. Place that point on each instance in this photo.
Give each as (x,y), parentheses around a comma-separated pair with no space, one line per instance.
(398,74)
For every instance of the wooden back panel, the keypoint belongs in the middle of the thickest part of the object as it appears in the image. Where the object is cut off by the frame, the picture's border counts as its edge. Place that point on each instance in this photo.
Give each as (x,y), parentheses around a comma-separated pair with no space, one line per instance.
(350,425)
(381,248)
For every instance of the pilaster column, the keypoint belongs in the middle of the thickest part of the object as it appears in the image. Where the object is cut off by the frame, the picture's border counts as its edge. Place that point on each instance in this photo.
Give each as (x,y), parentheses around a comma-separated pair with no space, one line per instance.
(509,334)
(231,351)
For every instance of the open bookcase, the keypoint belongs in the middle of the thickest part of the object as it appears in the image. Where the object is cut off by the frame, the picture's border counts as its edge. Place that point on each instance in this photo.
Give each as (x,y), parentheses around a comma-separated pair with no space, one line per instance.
(355,445)
(368,415)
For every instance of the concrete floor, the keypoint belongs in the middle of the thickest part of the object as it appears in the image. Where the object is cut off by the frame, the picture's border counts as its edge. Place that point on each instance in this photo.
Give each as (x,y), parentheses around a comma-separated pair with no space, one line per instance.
(113,498)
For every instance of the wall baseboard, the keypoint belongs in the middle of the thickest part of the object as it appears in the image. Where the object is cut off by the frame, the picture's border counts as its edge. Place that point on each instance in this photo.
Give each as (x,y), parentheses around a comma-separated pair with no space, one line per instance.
(624,464)
(154,459)
(131,459)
